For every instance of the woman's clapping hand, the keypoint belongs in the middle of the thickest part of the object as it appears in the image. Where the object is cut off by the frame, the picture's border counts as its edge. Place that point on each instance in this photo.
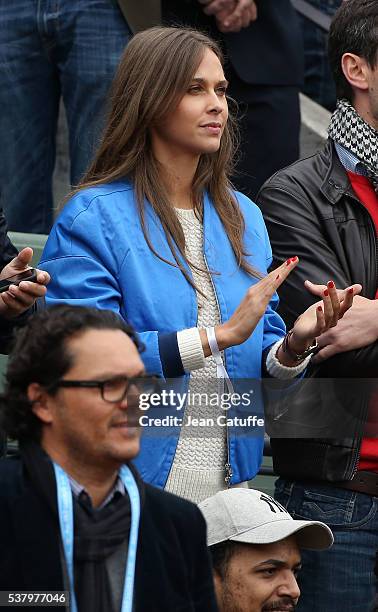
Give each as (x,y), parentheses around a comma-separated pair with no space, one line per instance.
(322,315)
(316,320)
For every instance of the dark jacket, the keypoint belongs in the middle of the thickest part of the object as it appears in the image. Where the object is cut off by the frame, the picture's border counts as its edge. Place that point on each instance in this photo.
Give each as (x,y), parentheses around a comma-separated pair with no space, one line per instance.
(268,52)
(311,211)
(173,570)
(7,253)
(7,250)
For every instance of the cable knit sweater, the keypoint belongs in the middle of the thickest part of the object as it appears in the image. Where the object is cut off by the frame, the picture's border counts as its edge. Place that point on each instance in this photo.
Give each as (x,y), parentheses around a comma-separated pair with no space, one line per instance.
(198,469)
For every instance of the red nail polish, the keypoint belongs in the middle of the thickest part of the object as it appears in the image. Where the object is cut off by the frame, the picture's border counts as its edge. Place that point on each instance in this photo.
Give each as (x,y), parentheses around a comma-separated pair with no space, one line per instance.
(325,292)
(320,309)
(350,290)
(330,284)
(288,262)
(294,259)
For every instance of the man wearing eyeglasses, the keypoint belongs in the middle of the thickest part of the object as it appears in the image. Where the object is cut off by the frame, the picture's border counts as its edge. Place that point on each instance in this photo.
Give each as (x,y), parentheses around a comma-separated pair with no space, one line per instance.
(74,514)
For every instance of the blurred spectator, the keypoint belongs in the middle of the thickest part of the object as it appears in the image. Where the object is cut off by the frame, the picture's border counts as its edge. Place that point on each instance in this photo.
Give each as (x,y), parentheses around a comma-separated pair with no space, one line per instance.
(48,51)
(324,208)
(265,73)
(318,83)
(74,513)
(255,546)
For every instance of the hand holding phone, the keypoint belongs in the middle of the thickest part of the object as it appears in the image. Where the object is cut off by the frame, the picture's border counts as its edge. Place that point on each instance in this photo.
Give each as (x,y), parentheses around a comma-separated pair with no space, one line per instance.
(27,275)
(15,301)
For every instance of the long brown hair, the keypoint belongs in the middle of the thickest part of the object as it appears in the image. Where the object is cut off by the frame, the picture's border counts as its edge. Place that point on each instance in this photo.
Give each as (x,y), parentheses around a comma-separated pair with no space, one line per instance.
(154,73)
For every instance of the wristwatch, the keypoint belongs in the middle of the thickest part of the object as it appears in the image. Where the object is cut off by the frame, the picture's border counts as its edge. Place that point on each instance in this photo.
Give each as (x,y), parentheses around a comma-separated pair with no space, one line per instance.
(311,350)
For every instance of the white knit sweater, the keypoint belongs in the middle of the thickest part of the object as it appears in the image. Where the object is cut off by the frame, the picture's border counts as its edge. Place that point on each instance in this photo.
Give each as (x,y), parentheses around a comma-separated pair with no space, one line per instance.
(198,469)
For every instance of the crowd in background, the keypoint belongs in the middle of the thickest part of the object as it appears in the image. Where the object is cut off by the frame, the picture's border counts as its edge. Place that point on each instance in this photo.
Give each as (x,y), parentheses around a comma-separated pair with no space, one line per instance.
(70,55)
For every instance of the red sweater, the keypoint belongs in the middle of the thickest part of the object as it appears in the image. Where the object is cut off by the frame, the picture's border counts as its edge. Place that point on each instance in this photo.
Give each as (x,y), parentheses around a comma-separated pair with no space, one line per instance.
(367,196)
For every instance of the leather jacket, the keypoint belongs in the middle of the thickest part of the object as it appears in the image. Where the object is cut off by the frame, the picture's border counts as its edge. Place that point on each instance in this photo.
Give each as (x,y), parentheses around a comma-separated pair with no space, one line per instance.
(311,211)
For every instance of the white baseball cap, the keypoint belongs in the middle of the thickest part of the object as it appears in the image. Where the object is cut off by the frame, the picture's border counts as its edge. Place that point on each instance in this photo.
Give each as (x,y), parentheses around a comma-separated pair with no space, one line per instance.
(253,517)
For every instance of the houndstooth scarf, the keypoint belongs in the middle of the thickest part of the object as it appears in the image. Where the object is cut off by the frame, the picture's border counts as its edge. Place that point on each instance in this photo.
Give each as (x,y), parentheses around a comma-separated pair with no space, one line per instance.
(361,139)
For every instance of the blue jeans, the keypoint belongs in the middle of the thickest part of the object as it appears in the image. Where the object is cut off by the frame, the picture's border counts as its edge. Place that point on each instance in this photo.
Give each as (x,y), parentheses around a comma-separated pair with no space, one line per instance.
(340,579)
(51,49)
(319,84)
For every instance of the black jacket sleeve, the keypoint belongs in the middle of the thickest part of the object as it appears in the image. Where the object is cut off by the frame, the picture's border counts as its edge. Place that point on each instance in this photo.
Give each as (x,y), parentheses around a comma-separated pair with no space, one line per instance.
(7,250)
(297,227)
(7,253)
(173,559)
(203,585)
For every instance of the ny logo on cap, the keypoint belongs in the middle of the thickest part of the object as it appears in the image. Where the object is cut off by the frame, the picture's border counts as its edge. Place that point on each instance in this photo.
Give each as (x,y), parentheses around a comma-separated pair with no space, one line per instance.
(272,503)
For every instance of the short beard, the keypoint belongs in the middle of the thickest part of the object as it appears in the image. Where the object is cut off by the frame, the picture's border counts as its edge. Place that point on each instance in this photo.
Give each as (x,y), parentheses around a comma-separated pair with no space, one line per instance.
(277,605)
(227,603)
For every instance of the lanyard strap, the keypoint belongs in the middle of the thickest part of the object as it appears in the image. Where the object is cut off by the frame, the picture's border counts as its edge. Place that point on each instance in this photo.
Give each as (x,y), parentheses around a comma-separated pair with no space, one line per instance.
(132,490)
(221,370)
(65,509)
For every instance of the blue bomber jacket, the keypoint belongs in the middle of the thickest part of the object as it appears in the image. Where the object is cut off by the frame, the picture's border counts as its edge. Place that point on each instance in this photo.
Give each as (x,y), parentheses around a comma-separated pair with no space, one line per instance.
(97,256)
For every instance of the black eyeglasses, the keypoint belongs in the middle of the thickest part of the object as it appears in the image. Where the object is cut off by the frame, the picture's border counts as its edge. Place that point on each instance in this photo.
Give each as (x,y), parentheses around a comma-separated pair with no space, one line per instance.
(115,389)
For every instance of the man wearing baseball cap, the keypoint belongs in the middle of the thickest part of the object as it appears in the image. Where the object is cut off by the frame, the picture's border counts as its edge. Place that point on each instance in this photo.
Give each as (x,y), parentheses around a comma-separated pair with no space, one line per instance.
(255,546)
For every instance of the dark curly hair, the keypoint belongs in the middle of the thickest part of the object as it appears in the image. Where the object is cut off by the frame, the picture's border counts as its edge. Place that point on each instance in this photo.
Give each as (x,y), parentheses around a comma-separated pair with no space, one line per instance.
(40,355)
(354,29)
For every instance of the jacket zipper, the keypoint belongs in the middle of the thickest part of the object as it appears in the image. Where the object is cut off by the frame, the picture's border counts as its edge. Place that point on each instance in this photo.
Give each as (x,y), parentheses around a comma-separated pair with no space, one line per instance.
(227,467)
(357,460)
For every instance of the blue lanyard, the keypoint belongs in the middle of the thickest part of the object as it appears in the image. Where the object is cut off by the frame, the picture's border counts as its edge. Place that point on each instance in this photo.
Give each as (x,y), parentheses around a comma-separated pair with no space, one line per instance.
(65,509)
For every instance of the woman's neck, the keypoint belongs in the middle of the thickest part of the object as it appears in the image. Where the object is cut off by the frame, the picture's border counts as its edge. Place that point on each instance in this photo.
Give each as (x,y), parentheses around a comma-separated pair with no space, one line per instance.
(181,198)
(177,175)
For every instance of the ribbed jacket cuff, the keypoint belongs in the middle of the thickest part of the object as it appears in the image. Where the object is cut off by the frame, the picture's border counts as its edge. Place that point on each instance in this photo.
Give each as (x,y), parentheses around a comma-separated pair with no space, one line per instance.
(170,355)
(191,351)
(277,370)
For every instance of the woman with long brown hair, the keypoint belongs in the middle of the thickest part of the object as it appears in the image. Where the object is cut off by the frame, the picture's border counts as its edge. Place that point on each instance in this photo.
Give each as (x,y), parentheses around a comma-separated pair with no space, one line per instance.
(156,233)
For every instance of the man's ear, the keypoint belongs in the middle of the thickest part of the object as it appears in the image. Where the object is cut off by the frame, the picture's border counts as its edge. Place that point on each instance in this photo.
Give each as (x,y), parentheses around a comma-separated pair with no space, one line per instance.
(355,69)
(39,398)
